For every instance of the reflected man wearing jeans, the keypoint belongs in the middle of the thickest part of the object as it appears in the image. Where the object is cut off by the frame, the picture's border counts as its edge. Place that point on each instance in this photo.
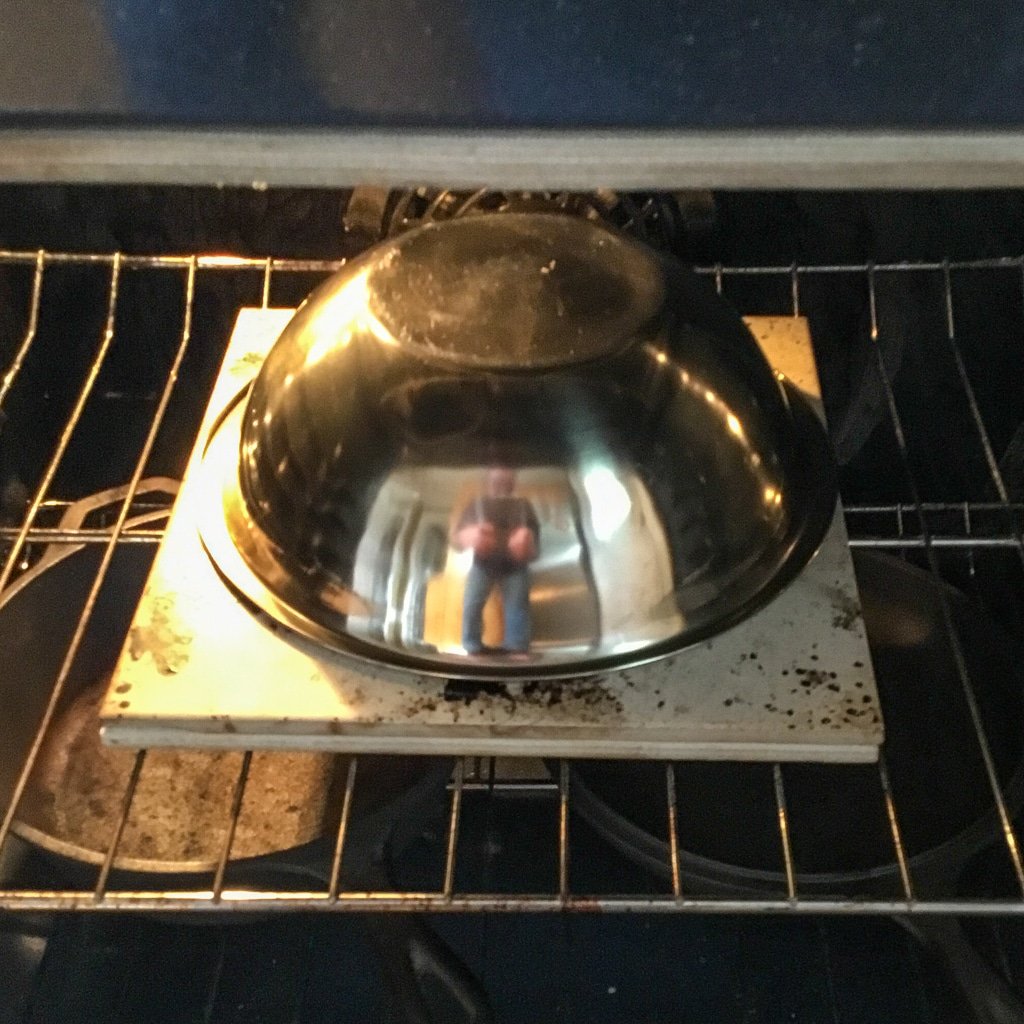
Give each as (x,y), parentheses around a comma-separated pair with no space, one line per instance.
(503,533)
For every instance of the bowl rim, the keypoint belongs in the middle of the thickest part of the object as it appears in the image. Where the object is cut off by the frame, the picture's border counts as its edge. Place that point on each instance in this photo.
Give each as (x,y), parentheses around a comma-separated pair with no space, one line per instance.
(233,541)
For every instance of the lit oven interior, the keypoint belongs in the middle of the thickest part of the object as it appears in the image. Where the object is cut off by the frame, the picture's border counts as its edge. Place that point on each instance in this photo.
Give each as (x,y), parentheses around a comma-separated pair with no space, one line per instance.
(116,307)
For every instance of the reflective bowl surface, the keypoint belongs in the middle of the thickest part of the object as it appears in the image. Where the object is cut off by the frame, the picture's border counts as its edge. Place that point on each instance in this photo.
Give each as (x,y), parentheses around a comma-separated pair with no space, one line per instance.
(516,445)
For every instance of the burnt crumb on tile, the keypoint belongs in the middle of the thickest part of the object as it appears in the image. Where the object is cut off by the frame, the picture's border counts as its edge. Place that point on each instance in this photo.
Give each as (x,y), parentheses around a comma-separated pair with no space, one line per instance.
(858,664)
(468,690)
(425,704)
(591,696)
(847,610)
(785,671)
(661,704)
(123,688)
(812,678)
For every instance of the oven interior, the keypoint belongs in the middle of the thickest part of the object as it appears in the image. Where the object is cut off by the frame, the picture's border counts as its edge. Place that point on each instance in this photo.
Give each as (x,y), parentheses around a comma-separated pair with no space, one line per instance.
(115,306)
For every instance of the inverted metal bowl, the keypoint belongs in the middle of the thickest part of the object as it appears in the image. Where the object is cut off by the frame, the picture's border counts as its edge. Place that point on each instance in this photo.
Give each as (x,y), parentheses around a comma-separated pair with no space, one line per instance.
(651,480)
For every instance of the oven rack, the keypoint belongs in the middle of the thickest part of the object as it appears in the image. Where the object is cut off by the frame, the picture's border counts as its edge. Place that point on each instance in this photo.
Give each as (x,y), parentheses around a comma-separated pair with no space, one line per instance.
(989,523)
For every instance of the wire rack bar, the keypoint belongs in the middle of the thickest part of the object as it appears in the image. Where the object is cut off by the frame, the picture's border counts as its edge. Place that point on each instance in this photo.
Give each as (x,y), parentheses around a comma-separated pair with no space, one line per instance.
(122,820)
(8,379)
(229,262)
(563,831)
(897,838)
(265,902)
(81,535)
(453,831)
(229,833)
(673,831)
(972,520)
(968,544)
(339,843)
(783,819)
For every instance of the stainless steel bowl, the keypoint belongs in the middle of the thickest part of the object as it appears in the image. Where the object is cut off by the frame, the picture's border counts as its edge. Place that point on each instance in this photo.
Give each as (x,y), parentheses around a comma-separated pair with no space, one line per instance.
(516,445)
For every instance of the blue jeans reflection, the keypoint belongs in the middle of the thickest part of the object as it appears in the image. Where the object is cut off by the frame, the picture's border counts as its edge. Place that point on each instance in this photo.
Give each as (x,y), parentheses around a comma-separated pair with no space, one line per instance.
(515,593)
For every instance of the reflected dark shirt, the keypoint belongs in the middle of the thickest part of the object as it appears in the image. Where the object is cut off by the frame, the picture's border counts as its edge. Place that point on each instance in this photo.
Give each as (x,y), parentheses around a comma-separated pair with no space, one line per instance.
(505,515)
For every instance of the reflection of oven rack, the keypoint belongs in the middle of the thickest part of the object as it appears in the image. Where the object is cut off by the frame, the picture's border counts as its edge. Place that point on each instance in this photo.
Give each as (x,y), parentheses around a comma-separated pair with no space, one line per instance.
(979,534)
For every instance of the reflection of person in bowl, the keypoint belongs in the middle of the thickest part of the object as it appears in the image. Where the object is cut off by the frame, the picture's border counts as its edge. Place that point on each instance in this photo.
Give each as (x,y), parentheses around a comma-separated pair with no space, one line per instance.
(503,533)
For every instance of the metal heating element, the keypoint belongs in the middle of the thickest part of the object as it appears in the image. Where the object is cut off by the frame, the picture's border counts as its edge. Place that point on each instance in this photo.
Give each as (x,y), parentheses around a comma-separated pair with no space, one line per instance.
(974,529)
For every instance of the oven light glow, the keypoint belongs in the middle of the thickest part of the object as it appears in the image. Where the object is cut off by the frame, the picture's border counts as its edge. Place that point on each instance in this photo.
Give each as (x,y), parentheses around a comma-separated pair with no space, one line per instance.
(627,646)
(349,309)
(609,501)
(224,261)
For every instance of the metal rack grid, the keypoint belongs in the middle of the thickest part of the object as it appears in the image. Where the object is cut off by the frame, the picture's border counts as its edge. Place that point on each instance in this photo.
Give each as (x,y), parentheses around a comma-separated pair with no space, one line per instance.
(967,526)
